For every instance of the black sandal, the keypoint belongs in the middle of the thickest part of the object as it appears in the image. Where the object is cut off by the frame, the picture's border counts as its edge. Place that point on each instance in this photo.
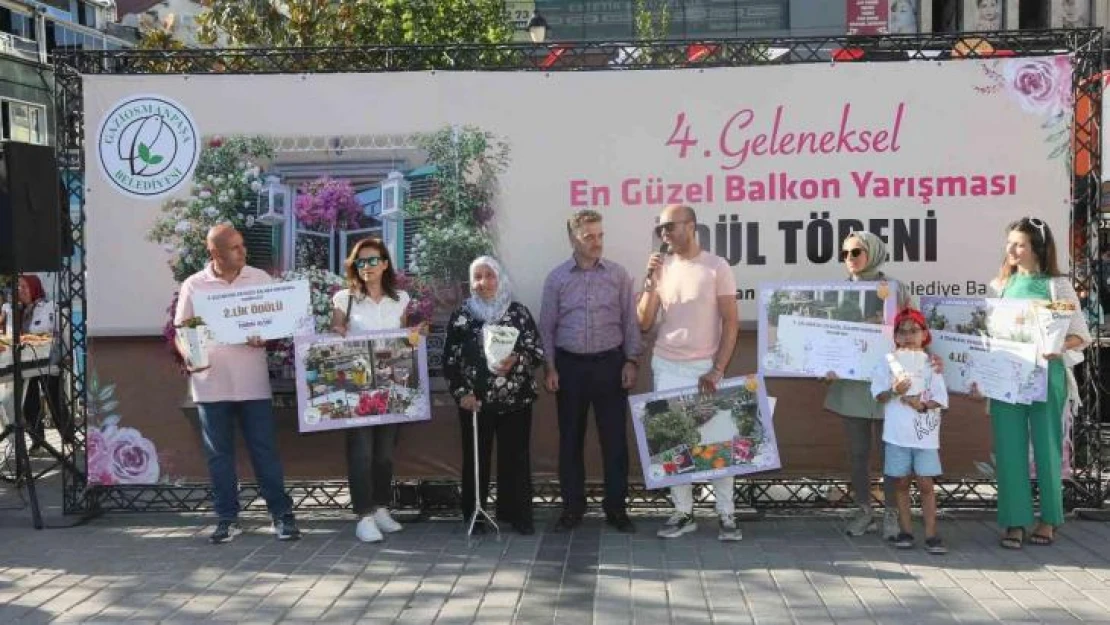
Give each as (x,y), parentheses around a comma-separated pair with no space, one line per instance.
(1009,541)
(1041,540)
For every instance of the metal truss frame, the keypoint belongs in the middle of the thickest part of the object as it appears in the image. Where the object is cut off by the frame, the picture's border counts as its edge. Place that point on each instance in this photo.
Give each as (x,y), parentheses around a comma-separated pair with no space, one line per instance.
(1085,489)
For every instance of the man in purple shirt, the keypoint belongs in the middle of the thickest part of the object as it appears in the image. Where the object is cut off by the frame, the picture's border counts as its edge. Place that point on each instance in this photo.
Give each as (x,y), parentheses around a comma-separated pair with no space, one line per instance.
(589,316)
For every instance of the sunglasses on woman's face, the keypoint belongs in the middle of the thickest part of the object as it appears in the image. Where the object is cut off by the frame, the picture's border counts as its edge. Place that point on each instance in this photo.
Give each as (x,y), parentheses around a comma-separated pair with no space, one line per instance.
(370,261)
(854,253)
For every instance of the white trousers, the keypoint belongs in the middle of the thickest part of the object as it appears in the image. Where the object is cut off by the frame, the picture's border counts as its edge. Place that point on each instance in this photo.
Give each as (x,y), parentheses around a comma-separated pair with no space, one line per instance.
(668,374)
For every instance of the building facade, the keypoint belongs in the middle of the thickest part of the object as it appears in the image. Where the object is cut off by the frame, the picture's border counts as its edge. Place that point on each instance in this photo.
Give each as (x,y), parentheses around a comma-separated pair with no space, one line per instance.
(615,20)
(31,32)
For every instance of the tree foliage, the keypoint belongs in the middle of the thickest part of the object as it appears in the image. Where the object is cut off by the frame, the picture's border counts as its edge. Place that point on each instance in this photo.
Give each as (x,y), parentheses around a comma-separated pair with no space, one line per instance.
(323,23)
(652,19)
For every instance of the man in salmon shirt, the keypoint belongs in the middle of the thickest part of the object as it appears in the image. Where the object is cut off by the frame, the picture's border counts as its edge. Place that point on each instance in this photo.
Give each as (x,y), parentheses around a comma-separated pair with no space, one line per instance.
(235,386)
(693,295)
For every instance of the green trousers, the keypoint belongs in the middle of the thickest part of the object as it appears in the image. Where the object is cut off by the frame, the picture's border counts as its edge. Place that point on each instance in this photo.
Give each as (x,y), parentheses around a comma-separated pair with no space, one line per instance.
(1013,424)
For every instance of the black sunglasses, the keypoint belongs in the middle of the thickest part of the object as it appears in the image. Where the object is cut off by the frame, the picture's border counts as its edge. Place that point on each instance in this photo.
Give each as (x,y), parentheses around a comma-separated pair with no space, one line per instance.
(372,261)
(668,227)
(854,253)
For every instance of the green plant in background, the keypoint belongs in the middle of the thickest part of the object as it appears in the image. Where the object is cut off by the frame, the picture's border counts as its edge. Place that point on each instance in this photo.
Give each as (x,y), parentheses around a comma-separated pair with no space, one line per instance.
(225,189)
(456,215)
(652,19)
(319,23)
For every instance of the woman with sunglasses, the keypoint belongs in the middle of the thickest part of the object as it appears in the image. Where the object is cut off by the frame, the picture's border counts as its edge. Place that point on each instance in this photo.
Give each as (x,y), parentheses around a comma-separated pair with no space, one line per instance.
(1030,271)
(863,255)
(371,301)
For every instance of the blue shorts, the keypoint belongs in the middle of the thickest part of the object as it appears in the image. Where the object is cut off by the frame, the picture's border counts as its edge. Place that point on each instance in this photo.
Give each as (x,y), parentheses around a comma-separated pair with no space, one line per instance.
(902,461)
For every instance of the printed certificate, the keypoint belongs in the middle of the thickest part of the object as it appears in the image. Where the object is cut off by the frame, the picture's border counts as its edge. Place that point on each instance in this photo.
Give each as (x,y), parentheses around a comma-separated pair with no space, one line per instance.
(807,329)
(271,311)
(992,342)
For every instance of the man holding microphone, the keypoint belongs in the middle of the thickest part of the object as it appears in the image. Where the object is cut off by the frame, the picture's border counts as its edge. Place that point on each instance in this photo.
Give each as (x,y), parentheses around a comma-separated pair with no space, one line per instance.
(692,294)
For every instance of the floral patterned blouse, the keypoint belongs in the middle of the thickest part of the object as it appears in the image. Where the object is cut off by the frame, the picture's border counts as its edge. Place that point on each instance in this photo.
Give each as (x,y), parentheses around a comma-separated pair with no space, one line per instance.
(465,365)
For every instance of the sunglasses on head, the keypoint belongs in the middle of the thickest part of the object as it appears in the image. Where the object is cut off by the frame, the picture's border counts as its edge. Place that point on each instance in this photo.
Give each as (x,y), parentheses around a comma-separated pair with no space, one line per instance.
(668,227)
(370,261)
(1036,223)
(854,253)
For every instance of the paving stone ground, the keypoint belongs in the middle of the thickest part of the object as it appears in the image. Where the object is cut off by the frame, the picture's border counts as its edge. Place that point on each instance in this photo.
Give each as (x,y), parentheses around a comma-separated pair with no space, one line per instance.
(788,569)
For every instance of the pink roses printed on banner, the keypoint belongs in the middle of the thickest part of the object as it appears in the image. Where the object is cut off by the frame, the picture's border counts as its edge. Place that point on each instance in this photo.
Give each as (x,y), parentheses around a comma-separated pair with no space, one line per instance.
(1042,86)
(116,455)
(120,456)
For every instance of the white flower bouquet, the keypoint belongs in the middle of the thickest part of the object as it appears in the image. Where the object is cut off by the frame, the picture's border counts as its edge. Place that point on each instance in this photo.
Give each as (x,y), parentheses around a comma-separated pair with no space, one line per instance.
(194,338)
(498,342)
(1053,320)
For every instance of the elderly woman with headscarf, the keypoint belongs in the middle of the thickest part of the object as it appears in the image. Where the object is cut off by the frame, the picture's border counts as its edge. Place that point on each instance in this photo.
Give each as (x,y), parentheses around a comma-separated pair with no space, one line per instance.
(863,255)
(502,393)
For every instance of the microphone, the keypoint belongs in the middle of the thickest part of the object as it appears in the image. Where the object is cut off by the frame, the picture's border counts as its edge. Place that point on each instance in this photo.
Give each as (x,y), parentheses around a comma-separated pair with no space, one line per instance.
(664,249)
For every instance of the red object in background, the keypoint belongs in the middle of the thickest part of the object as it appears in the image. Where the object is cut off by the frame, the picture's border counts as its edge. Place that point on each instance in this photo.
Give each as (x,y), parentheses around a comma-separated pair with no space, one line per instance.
(868,17)
(553,57)
(842,55)
(699,51)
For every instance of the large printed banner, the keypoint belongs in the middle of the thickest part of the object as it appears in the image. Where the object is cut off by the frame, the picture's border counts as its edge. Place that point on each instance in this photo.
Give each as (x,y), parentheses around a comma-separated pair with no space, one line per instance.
(780,164)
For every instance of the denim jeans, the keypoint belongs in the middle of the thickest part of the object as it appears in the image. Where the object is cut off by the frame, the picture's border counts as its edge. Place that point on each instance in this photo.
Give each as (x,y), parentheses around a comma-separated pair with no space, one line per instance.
(217,422)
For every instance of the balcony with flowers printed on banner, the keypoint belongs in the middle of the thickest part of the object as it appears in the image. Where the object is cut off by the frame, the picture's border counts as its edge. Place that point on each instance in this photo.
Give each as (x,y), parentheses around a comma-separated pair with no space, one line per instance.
(303,202)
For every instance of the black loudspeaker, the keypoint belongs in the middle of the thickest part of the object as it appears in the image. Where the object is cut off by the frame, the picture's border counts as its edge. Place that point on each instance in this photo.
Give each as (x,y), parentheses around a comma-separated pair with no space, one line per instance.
(30,209)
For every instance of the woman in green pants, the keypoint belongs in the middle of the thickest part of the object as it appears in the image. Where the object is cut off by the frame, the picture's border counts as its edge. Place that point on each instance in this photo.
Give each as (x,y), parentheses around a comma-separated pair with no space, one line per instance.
(1029,271)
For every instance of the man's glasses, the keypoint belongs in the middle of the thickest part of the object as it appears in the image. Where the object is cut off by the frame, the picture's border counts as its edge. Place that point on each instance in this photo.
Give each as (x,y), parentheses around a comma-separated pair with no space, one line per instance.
(854,253)
(371,261)
(668,227)
(1036,223)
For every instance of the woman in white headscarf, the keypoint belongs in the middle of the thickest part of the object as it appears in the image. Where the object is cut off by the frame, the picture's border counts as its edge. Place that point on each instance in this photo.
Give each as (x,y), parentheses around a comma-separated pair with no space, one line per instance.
(501,392)
(863,255)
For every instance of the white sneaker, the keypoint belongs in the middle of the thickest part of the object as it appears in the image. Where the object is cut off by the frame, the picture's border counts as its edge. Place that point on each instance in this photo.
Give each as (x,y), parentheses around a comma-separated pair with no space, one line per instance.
(385,522)
(676,517)
(367,531)
(685,525)
(861,523)
(891,530)
(728,530)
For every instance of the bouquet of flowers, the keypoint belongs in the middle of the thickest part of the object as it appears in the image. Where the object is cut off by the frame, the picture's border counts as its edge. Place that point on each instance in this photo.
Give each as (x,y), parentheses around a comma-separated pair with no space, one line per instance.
(498,342)
(194,337)
(1053,319)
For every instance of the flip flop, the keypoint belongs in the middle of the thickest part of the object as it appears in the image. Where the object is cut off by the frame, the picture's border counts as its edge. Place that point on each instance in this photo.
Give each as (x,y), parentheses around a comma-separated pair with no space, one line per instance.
(1012,542)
